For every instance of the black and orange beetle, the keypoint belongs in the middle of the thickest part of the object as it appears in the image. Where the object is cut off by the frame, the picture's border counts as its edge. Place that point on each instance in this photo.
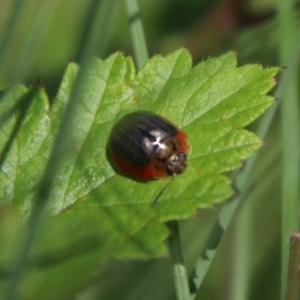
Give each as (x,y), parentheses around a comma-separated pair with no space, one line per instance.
(143,145)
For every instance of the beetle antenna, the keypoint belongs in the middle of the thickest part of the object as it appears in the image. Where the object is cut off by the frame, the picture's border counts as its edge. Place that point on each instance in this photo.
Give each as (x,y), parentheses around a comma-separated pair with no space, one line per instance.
(162,191)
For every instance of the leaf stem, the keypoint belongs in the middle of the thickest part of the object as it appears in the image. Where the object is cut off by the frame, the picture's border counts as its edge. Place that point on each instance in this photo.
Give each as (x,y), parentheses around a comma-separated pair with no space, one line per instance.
(293,287)
(137,33)
(179,270)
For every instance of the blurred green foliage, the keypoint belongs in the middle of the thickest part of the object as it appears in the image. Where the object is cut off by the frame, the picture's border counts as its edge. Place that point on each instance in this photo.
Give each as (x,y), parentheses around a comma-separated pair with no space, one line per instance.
(46,34)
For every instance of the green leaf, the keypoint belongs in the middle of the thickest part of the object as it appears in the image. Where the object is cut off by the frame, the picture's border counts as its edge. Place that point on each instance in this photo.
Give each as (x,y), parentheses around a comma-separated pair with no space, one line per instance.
(25,127)
(91,204)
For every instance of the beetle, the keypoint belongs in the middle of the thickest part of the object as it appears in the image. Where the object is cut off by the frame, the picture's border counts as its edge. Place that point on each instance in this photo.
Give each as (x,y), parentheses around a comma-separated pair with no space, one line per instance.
(143,145)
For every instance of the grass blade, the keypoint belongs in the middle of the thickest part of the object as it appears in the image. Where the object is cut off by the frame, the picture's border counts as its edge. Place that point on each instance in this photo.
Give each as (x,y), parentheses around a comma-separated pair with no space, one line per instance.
(179,270)
(290,136)
(137,33)
(96,36)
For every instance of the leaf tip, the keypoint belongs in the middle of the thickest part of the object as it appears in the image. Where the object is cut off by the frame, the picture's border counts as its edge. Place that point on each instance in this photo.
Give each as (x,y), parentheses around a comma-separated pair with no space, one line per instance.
(243,164)
(265,143)
(121,51)
(38,82)
(187,48)
(276,79)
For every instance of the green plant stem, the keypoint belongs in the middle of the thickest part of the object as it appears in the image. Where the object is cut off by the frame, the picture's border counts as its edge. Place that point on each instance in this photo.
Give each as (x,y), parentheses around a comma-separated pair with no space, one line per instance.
(96,35)
(290,127)
(179,270)
(238,286)
(242,184)
(141,57)
(137,34)
(293,287)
